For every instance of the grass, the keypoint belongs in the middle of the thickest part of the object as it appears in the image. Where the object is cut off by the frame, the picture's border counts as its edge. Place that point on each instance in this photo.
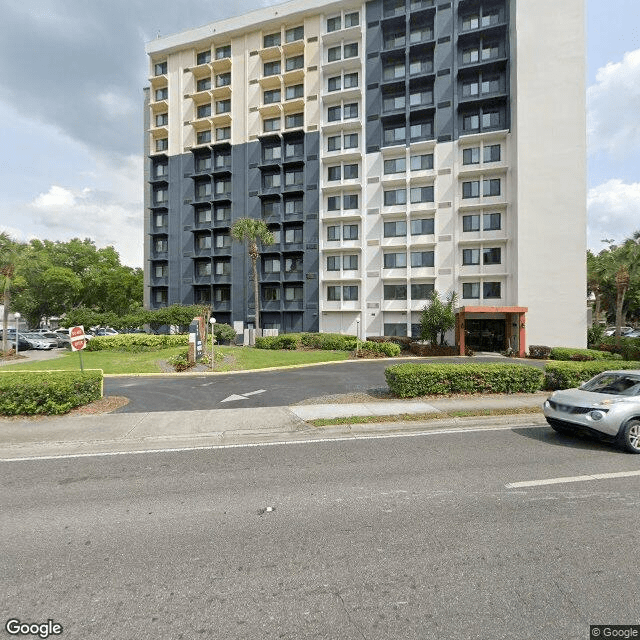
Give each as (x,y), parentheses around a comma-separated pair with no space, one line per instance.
(235,359)
(413,417)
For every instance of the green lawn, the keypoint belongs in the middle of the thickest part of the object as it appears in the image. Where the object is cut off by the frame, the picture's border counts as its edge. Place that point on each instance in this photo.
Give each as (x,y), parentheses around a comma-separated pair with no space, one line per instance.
(235,359)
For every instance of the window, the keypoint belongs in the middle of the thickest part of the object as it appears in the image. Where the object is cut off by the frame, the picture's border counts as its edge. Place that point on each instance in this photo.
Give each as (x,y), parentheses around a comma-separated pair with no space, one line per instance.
(270,293)
(293,293)
(334,84)
(421,98)
(161,296)
(351,110)
(334,114)
(204,84)
(350,173)
(421,291)
(271,40)
(204,57)
(271,96)
(272,68)
(351,50)
(471,122)
(333,233)
(333,203)
(204,111)
(471,189)
(471,290)
(422,227)
(491,290)
(293,149)
(160,219)
(222,294)
(160,196)
(203,137)
(291,35)
(471,156)
(350,262)
(422,162)
(469,56)
(223,79)
(350,201)
(294,120)
(490,84)
(470,89)
(350,140)
(394,135)
(492,221)
(222,240)
(293,206)
(491,153)
(269,208)
(420,65)
(350,292)
(420,35)
(223,52)
(395,291)
(161,170)
(334,53)
(222,186)
(395,197)
(203,268)
(350,80)
(293,235)
(293,63)
(470,22)
(222,159)
(222,267)
(490,51)
(293,264)
(161,270)
(394,40)
(293,177)
(491,18)
(162,144)
(160,68)
(203,215)
(422,259)
(395,329)
(203,163)
(294,91)
(395,260)
(277,235)
(395,165)
(491,187)
(395,229)
(162,94)
(351,19)
(271,152)
(421,131)
(391,103)
(271,124)
(222,213)
(490,119)
(393,71)
(491,256)
(334,173)
(271,265)
(333,293)
(203,190)
(162,120)
(161,245)
(470,256)
(471,223)
(421,194)
(333,263)
(350,232)
(271,180)
(223,133)
(334,24)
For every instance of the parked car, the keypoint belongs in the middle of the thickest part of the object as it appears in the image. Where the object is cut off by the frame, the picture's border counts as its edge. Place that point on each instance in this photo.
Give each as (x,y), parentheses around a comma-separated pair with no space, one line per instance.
(38,341)
(23,345)
(62,340)
(607,406)
(610,331)
(105,331)
(633,334)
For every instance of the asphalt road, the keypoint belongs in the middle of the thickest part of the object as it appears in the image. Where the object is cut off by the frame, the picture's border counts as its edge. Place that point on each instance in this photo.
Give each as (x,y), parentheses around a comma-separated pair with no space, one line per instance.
(264,388)
(402,538)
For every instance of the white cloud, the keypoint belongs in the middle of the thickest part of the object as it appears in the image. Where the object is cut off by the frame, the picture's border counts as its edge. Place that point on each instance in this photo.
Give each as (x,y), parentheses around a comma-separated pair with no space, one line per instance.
(614,212)
(612,116)
(55,197)
(115,105)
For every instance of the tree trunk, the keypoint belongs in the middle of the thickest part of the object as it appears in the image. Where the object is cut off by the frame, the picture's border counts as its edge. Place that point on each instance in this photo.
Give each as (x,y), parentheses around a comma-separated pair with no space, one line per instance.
(256,290)
(6,299)
(619,303)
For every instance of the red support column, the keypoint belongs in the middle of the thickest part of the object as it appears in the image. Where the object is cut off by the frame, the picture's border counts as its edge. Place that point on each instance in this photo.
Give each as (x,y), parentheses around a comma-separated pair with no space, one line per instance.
(460,332)
(522,328)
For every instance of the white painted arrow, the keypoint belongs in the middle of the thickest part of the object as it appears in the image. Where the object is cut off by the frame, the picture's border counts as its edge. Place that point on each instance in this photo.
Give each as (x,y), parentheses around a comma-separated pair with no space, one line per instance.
(253,393)
(234,396)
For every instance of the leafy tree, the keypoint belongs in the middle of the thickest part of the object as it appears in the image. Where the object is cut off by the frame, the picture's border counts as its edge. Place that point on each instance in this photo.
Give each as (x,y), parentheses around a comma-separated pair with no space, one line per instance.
(252,232)
(9,255)
(437,318)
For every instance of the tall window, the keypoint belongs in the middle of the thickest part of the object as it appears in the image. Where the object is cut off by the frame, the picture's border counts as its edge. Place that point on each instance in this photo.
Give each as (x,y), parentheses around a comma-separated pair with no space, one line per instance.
(395,229)
(293,63)
(395,292)
(422,259)
(291,35)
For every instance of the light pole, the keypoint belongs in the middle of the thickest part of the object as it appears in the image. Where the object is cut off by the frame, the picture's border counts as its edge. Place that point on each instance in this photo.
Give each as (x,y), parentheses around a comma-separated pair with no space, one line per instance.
(212,321)
(16,315)
(357,336)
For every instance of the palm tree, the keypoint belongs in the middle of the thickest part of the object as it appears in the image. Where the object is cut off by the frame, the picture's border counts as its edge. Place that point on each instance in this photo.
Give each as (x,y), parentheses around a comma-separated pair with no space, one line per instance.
(622,284)
(7,268)
(252,231)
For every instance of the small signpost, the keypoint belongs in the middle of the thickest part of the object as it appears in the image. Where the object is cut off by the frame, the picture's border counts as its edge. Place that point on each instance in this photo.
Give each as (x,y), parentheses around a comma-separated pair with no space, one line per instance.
(78,341)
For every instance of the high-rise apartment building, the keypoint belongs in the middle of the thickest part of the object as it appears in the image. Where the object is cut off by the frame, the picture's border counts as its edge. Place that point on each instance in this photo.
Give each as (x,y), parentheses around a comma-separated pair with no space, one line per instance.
(393,147)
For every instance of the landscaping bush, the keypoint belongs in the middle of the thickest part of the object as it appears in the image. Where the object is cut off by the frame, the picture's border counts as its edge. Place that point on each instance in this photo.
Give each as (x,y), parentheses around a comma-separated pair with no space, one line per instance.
(224,332)
(564,353)
(433,350)
(628,348)
(411,380)
(180,362)
(134,342)
(388,349)
(47,392)
(539,352)
(404,342)
(288,341)
(328,341)
(567,375)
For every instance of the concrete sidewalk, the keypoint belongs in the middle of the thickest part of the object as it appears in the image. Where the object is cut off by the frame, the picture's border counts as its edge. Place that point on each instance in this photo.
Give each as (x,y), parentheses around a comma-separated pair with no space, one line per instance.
(174,430)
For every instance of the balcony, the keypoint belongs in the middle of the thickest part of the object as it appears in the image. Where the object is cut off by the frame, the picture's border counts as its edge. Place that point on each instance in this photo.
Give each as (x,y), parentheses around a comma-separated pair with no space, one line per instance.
(221,278)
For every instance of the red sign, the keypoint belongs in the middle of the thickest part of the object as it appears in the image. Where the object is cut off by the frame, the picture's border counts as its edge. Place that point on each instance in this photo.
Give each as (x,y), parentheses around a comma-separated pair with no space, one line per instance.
(78,341)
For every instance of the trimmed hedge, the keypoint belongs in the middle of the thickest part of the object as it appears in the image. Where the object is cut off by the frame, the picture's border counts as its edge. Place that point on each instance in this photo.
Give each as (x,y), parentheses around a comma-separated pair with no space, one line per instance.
(288,341)
(135,342)
(628,348)
(47,392)
(389,349)
(324,341)
(567,375)
(564,353)
(539,351)
(404,342)
(411,380)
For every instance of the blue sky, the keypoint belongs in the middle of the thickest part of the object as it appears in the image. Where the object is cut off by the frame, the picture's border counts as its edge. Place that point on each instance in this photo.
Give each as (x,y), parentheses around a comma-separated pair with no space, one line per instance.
(71,78)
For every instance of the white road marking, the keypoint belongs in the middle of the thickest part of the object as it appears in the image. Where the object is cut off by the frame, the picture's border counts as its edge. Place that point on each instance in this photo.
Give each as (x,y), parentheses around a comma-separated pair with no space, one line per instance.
(595,476)
(211,447)
(253,393)
(233,396)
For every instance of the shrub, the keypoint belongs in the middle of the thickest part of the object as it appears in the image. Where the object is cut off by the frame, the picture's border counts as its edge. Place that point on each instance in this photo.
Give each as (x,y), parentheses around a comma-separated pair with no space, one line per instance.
(47,392)
(328,341)
(410,380)
(595,334)
(180,362)
(433,350)
(567,375)
(629,348)
(289,341)
(134,342)
(404,342)
(224,332)
(564,353)
(539,352)
(389,349)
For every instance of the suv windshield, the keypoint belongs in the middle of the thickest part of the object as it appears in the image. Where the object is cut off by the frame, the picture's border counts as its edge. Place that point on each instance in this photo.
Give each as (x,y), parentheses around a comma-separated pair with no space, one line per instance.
(617,384)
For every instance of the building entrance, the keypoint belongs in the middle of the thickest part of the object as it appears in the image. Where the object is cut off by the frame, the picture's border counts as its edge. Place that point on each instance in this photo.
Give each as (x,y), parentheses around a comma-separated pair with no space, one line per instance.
(486,335)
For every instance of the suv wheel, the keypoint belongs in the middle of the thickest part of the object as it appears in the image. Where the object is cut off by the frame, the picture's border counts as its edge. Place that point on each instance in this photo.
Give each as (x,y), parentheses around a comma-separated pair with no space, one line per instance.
(629,437)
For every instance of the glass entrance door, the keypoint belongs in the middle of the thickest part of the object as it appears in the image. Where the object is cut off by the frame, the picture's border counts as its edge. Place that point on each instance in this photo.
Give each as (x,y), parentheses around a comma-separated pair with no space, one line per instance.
(485,335)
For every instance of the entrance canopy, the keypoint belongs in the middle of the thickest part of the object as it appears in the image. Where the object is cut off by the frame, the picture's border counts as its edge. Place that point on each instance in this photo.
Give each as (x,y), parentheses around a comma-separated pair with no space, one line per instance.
(491,329)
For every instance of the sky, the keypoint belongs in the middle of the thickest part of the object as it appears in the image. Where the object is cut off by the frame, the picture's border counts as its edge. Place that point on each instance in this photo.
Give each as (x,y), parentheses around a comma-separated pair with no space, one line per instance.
(71,130)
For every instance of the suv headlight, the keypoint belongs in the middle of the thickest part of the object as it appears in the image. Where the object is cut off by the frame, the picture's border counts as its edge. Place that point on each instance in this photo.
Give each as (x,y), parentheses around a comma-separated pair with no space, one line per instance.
(597,415)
